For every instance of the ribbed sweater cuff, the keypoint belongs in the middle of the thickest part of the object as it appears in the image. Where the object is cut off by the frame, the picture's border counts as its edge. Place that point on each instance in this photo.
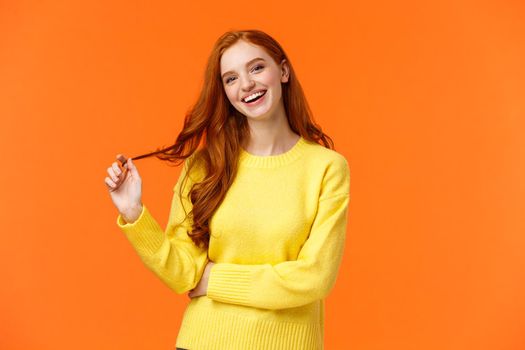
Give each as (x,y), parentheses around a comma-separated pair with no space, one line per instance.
(230,283)
(145,234)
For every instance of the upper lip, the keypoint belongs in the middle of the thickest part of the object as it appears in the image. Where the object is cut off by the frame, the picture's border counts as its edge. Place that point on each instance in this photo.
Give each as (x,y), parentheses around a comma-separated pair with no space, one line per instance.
(251,93)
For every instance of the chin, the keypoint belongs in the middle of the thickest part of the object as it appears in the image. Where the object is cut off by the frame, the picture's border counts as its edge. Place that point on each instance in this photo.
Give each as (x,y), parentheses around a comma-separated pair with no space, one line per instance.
(257,114)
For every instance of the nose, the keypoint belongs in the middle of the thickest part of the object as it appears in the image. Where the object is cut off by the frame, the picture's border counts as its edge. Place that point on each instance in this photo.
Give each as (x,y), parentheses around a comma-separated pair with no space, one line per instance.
(247,83)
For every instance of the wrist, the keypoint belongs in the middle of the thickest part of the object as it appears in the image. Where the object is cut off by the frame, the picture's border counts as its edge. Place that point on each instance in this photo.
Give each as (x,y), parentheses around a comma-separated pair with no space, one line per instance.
(131,214)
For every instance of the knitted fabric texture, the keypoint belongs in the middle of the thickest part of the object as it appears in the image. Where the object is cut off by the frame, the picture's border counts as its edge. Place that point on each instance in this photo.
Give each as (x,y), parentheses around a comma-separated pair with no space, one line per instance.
(277,241)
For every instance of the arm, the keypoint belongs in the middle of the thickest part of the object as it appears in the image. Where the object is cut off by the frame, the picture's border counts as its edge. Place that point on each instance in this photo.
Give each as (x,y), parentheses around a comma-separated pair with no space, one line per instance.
(298,282)
(170,253)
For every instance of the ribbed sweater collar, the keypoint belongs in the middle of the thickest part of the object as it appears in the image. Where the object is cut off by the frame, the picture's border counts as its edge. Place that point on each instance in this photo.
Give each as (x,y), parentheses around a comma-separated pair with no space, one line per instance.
(273,161)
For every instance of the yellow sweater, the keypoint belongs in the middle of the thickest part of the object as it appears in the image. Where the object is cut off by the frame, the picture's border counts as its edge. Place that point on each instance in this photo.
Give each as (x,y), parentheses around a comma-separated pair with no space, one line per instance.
(277,240)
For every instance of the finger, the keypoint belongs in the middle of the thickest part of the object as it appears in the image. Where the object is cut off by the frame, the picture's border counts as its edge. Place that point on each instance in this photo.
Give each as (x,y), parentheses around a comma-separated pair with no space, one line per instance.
(111,173)
(117,171)
(110,183)
(117,165)
(132,168)
(122,159)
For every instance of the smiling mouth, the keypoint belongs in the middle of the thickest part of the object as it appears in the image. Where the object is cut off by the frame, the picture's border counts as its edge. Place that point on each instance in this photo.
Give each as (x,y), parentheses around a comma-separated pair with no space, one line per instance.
(257,98)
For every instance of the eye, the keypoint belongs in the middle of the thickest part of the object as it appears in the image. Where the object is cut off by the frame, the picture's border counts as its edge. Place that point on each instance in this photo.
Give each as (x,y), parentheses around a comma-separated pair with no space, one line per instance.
(227,81)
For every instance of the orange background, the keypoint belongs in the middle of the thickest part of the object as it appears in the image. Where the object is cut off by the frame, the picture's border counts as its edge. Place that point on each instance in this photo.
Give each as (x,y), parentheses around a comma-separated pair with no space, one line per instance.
(424,98)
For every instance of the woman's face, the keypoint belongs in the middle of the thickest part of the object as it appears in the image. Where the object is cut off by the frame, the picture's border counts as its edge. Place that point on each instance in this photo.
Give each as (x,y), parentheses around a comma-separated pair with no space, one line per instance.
(246,72)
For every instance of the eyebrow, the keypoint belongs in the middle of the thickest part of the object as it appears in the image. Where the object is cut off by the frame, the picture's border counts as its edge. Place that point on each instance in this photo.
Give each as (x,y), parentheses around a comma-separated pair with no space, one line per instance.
(247,64)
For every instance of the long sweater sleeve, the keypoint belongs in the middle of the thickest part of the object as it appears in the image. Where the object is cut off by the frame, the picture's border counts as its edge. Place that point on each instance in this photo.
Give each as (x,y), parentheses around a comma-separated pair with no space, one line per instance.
(308,278)
(169,253)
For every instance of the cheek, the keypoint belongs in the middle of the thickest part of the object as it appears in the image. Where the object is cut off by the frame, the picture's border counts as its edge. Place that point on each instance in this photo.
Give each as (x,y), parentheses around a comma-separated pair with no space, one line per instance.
(271,78)
(230,93)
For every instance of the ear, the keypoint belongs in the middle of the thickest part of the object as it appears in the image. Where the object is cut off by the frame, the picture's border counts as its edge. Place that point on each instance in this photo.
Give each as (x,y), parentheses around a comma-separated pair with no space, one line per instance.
(285,71)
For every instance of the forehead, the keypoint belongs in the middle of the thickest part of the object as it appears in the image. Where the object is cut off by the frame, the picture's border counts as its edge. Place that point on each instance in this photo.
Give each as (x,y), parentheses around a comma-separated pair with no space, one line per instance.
(235,57)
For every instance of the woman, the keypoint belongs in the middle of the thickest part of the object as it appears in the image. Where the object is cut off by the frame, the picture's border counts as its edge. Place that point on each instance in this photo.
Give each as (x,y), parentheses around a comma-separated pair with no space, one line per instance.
(257,225)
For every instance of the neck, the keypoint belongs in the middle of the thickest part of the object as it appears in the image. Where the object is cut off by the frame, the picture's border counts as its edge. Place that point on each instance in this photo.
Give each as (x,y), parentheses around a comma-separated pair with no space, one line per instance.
(270,135)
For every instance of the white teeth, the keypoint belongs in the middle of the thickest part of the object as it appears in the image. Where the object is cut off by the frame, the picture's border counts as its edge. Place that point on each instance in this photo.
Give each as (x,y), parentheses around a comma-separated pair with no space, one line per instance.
(251,97)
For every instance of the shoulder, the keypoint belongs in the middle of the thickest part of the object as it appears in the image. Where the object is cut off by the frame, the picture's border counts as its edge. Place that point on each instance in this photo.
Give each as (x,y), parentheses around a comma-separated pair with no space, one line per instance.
(195,164)
(326,158)
(331,166)
(193,170)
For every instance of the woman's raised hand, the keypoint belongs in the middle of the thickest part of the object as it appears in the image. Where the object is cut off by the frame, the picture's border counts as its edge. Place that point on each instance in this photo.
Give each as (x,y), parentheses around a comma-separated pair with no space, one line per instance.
(125,188)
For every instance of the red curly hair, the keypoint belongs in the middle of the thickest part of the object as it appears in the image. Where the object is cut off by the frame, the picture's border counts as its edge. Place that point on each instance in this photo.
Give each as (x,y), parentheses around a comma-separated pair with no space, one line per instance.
(225,129)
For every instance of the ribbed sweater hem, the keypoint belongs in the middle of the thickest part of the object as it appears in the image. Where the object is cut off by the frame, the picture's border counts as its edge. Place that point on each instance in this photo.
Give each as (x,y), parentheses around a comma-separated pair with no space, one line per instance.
(219,330)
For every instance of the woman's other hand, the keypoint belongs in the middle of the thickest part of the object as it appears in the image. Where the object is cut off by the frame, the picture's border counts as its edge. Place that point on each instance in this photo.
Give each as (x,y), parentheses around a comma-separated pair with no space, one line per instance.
(202,287)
